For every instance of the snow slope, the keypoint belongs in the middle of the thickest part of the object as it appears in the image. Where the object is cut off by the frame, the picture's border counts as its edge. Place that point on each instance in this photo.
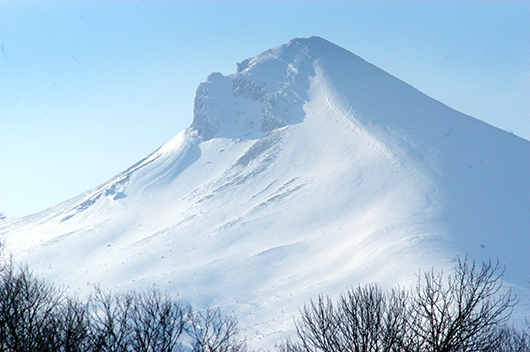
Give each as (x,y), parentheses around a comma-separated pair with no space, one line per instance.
(307,171)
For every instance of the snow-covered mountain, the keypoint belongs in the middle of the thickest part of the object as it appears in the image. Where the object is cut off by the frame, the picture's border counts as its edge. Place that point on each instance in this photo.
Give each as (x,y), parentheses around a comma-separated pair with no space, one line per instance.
(307,171)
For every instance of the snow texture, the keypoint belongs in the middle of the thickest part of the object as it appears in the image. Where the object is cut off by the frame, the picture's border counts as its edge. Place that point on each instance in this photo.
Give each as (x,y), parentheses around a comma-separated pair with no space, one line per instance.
(307,171)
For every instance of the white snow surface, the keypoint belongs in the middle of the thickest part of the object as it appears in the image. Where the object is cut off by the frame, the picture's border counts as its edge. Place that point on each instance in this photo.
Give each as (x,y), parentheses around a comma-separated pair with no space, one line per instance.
(308,171)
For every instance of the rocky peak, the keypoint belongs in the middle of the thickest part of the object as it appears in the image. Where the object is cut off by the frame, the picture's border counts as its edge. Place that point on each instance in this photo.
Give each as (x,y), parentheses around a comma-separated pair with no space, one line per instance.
(277,80)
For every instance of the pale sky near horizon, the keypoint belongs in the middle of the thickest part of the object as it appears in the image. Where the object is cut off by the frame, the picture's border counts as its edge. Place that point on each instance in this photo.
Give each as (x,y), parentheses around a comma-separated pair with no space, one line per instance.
(88,88)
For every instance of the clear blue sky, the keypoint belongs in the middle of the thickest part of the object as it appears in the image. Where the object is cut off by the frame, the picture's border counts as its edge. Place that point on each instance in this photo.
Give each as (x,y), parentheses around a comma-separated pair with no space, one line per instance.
(90,87)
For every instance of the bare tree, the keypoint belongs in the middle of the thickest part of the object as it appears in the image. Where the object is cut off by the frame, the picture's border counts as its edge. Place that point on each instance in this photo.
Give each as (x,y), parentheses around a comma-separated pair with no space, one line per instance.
(156,322)
(511,339)
(318,326)
(109,330)
(210,331)
(373,320)
(28,311)
(73,324)
(140,322)
(364,319)
(288,346)
(35,316)
(463,312)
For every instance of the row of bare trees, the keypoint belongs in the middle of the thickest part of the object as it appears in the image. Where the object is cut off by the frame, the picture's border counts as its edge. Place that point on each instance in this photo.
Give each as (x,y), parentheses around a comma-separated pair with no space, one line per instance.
(465,312)
(37,317)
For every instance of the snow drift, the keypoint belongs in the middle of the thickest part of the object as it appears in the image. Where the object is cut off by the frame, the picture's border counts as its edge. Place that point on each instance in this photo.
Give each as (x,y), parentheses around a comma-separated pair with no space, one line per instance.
(307,171)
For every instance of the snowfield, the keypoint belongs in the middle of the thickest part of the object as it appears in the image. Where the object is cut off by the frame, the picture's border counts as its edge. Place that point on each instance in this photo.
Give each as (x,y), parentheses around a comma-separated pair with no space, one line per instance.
(307,171)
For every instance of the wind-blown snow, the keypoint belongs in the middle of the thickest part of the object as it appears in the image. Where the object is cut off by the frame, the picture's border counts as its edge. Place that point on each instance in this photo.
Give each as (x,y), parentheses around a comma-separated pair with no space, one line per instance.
(307,171)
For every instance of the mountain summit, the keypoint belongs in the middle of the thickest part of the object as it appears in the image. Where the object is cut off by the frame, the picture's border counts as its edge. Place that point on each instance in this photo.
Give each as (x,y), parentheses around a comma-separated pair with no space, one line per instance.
(307,171)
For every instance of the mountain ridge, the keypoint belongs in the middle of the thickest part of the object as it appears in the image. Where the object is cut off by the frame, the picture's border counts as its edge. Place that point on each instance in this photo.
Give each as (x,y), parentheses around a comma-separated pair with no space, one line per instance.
(307,171)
